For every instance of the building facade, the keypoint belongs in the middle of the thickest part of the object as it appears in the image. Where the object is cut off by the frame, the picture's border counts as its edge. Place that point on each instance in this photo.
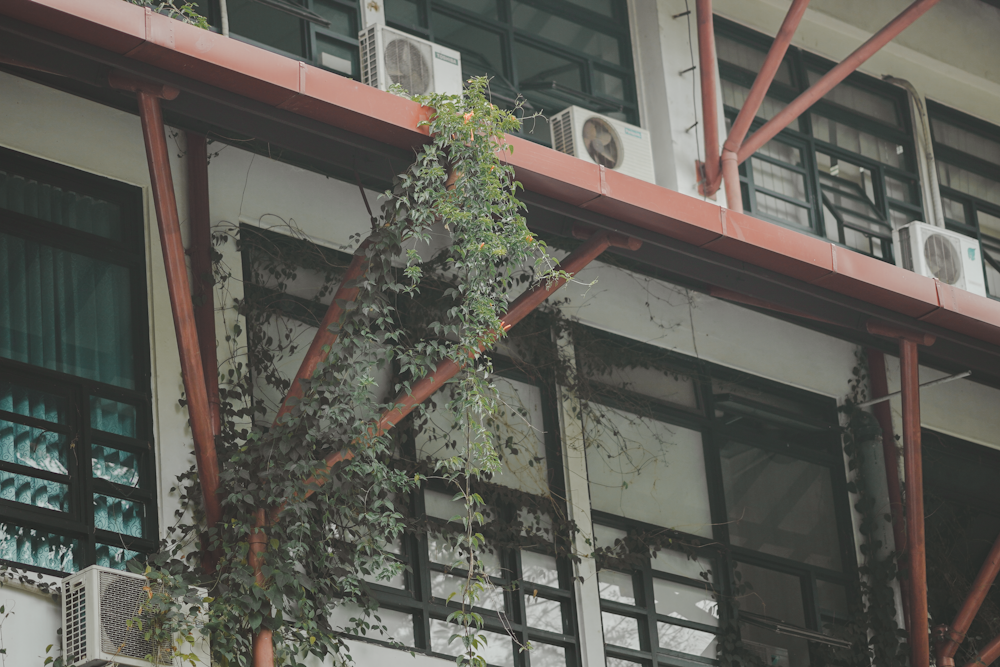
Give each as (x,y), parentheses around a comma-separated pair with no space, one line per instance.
(707,450)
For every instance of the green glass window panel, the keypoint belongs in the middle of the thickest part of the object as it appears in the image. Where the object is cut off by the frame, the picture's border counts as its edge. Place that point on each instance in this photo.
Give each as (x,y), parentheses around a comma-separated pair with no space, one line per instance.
(33,447)
(31,547)
(33,491)
(537,68)
(118,515)
(405,12)
(599,6)
(734,95)
(862,143)
(498,650)
(341,19)
(954,210)
(114,557)
(903,190)
(779,209)
(334,54)
(543,613)
(956,178)
(539,568)
(566,33)
(482,50)
(861,101)
(686,640)
(486,8)
(608,84)
(266,25)
(780,506)
(776,178)
(547,655)
(66,312)
(965,141)
(749,58)
(112,417)
(62,207)
(115,465)
(620,630)
(32,402)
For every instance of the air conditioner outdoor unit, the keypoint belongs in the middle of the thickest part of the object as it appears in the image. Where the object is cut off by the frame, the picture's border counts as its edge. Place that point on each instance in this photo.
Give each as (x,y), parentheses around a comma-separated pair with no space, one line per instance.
(97,604)
(605,141)
(389,56)
(931,251)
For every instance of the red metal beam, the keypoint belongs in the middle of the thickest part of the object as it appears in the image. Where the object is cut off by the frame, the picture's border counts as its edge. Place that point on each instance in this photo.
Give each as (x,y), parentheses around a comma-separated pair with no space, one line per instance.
(890,454)
(201,268)
(913,468)
(709,99)
(955,634)
(840,72)
(987,655)
(179,290)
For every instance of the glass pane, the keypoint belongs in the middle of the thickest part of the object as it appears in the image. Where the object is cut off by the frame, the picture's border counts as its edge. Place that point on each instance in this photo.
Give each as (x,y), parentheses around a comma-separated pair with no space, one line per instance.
(487,8)
(773,649)
(772,177)
(266,25)
(118,515)
(749,58)
(34,447)
(685,602)
(390,625)
(115,557)
(665,386)
(32,402)
(520,437)
(599,6)
(66,312)
(648,471)
(341,20)
(539,569)
(782,210)
(336,55)
(565,33)
(954,210)
(112,416)
(780,506)
(674,562)
(63,207)
(620,630)
(734,95)
(546,655)
(450,588)
(31,547)
(959,179)
(618,662)
(616,586)
(965,141)
(856,141)
(773,594)
(33,491)
(686,640)
(482,50)
(832,599)
(538,69)
(859,100)
(499,649)
(989,224)
(115,465)
(901,190)
(609,84)
(543,614)
(404,12)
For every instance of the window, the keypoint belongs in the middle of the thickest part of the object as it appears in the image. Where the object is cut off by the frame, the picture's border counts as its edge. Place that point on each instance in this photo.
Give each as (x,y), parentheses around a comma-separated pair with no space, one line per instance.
(556,53)
(532,596)
(967,152)
(844,170)
(324,32)
(703,479)
(76,456)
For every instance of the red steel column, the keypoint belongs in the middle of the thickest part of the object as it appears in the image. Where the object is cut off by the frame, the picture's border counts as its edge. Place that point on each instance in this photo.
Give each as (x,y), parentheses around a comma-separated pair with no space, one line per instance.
(201,268)
(913,467)
(192,370)
(833,77)
(709,100)
(883,413)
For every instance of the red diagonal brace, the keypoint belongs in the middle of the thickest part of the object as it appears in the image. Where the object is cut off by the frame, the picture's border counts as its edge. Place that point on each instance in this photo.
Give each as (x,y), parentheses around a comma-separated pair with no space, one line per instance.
(165,203)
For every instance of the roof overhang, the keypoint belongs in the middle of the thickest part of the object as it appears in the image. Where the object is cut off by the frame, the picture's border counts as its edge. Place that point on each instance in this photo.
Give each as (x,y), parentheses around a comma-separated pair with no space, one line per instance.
(228,86)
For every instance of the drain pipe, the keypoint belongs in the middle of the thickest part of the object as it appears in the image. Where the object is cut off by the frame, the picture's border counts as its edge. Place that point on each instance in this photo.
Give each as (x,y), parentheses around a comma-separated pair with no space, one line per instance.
(930,164)
(224,17)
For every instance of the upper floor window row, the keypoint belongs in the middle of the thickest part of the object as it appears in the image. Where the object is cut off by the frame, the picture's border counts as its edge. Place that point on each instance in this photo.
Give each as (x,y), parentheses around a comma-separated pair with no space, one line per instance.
(553,53)
(845,170)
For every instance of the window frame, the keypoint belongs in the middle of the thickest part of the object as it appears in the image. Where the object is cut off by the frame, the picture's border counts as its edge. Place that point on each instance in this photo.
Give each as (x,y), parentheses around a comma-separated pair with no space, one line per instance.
(78,522)
(719,552)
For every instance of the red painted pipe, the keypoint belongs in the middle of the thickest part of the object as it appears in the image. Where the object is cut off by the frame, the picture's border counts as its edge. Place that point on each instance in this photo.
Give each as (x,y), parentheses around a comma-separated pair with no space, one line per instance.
(986,655)
(758,91)
(709,99)
(840,72)
(970,607)
(883,413)
(406,402)
(192,370)
(201,268)
(913,468)
(731,177)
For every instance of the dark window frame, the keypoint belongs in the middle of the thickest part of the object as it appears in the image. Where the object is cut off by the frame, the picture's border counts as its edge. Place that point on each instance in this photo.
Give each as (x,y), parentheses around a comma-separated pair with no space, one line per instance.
(78,522)
(719,553)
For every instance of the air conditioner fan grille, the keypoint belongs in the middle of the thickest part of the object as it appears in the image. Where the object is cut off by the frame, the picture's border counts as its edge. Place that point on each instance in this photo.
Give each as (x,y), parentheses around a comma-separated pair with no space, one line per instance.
(942,259)
(122,599)
(409,64)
